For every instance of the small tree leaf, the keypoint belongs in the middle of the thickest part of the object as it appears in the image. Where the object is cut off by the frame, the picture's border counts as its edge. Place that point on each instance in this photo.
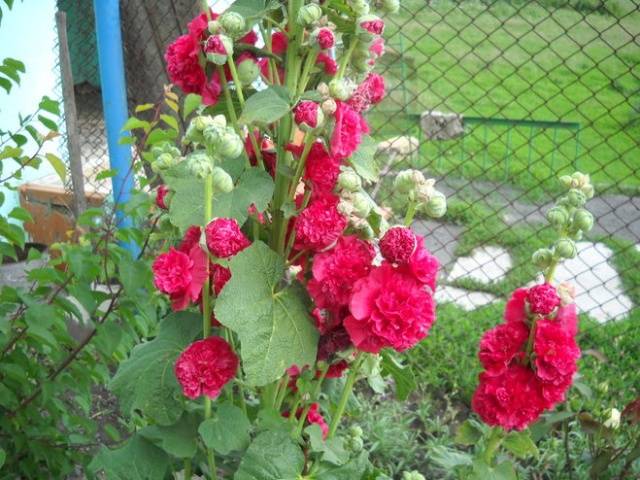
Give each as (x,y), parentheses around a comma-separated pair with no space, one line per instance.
(58,165)
(191,102)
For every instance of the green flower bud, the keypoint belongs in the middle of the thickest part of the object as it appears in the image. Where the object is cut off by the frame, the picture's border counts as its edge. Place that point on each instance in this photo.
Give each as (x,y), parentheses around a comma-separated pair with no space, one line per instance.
(214,27)
(349,180)
(309,14)
(230,145)
(341,88)
(222,181)
(576,197)
(436,206)
(558,216)
(248,72)
(365,230)
(213,134)
(542,258)
(407,180)
(412,475)
(360,7)
(218,48)
(566,248)
(233,24)
(361,204)
(588,190)
(390,6)
(354,444)
(566,181)
(583,219)
(329,106)
(355,431)
(200,163)
(165,156)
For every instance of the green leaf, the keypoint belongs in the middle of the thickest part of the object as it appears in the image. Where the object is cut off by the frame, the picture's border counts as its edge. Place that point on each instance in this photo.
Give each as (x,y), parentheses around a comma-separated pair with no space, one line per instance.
(3,457)
(191,102)
(133,123)
(169,120)
(144,107)
(178,439)
(146,382)
(468,434)
(520,444)
(273,325)
(448,458)
(271,456)
(11,73)
(332,449)
(402,375)
(503,471)
(227,431)
(6,84)
(134,275)
(58,165)
(186,208)
(264,107)
(137,459)
(10,152)
(12,62)
(47,122)
(104,174)
(363,160)
(353,469)
(21,214)
(49,105)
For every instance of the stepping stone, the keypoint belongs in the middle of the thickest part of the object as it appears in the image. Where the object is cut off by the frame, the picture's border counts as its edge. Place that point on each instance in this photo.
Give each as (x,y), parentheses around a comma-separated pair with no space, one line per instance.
(465,299)
(402,146)
(486,264)
(599,290)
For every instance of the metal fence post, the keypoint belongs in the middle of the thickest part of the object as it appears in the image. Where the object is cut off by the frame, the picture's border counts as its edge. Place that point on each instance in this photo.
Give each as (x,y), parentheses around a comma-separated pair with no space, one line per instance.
(114,104)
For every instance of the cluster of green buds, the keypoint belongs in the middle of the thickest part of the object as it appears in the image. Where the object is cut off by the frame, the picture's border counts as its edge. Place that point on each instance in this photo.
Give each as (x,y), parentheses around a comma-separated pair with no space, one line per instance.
(342,88)
(353,440)
(164,156)
(327,103)
(412,475)
(357,205)
(389,6)
(570,219)
(417,190)
(309,14)
(359,7)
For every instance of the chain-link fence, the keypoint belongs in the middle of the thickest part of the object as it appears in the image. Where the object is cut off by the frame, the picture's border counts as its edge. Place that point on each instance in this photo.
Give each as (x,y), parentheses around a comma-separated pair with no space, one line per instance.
(495,99)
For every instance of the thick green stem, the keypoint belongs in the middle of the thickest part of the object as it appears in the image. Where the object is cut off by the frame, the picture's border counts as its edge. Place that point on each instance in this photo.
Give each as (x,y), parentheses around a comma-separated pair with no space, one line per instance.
(187,468)
(236,80)
(309,140)
(346,393)
(551,270)
(306,69)
(346,57)
(411,212)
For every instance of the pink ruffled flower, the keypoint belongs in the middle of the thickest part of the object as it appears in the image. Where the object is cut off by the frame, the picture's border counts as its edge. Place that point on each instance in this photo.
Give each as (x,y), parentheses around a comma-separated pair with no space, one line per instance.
(543,299)
(320,224)
(370,92)
(305,113)
(205,367)
(398,244)
(423,265)
(376,49)
(326,38)
(511,400)
(515,310)
(183,65)
(321,169)
(267,149)
(198,27)
(389,308)
(224,237)
(279,42)
(215,45)
(328,64)
(502,345)
(314,417)
(375,27)
(191,237)
(180,275)
(347,131)
(219,277)
(336,270)
(567,318)
(161,195)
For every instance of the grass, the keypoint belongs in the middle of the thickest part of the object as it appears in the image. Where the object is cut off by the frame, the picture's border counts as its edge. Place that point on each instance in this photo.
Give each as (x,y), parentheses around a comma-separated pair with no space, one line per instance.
(520,60)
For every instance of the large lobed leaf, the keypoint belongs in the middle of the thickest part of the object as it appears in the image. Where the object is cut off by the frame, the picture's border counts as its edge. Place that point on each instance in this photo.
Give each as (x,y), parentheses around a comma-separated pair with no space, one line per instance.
(273,455)
(146,382)
(273,325)
(137,459)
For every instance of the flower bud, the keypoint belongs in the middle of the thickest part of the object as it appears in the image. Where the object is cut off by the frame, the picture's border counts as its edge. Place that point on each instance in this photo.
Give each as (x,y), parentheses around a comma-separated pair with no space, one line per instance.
(576,197)
(218,48)
(212,134)
(390,6)
(329,106)
(323,37)
(588,190)
(583,220)
(233,24)
(371,24)
(412,475)
(566,248)
(407,180)
(360,7)
(323,89)
(566,181)
(542,258)
(361,204)
(230,145)
(200,163)
(214,27)
(309,14)
(558,216)
(248,72)
(355,431)
(222,181)
(354,444)
(341,88)
(308,115)
(165,156)
(614,419)
(349,180)
(436,206)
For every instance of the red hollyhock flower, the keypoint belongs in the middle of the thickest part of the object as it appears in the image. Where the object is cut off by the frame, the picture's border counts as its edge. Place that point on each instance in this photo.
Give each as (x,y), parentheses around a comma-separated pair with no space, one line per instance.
(211,90)
(375,27)
(224,237)
(219,277)
(306,113)
(336,369)
(161,193)
(180,275)
(347,131)
(398,244)
(328,64)
(335,341)
(326,38)
(543,299)
(336,270)
(321,169)
(515,310)
(267,149)
(314,417)
(370,91)
(183,65)
(249,39)
(198,27)
(215,45)
(567,317)
(423,265)
(205,367)
(279,42)
(191,238)
(511,400)
(320,224)
(376,49)
(501,345)
(389,308)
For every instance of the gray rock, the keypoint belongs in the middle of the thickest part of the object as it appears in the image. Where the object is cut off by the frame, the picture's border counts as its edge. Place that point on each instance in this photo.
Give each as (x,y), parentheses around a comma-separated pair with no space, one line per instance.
(441,125)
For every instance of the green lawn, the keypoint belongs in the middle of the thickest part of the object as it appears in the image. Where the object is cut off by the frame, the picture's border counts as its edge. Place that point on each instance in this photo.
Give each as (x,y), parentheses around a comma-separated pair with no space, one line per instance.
(519,62)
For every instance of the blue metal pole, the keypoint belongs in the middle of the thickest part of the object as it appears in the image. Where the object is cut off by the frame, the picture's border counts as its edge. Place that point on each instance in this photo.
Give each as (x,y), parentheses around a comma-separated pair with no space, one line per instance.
(114,105)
